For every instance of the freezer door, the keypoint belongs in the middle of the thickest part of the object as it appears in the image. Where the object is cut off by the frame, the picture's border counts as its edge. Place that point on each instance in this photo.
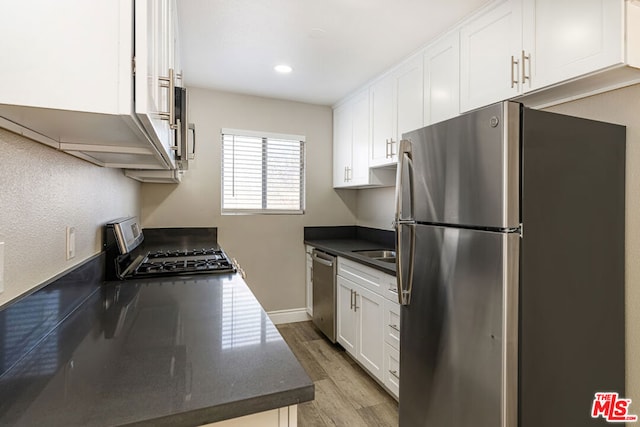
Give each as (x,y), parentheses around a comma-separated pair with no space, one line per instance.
(465,171)
(458,348)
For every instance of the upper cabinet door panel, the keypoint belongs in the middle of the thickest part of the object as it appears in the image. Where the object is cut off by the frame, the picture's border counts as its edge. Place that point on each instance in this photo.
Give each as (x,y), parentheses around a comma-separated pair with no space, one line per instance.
(64,55)
(382,120)
(489,47)
(360,142)
(566,39)
(442,79)
(153,80)
(410,99)
(342,135)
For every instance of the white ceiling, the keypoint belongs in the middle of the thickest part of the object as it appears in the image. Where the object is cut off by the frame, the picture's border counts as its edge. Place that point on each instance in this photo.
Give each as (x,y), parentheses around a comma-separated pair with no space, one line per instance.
(334,46)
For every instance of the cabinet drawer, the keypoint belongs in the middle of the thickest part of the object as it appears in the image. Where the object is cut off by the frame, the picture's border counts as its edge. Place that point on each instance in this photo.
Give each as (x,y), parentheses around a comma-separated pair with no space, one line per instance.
(392,324)
(367,277)
(391,372)
(390,290)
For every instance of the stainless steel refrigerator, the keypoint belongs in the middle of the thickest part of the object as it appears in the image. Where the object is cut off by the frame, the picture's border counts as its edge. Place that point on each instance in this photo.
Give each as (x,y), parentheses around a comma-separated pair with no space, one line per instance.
(510,268)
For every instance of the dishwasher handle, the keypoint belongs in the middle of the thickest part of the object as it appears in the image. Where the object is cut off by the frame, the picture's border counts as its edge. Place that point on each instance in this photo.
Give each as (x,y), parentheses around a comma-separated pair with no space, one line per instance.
(317,256)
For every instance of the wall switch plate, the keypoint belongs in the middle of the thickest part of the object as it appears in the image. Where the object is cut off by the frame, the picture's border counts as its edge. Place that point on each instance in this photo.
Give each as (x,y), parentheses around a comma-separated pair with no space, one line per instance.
(71,242)
(1,267)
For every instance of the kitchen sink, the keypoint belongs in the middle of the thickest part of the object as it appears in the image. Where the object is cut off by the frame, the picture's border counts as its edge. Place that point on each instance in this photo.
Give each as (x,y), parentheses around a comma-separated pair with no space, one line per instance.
(384,255)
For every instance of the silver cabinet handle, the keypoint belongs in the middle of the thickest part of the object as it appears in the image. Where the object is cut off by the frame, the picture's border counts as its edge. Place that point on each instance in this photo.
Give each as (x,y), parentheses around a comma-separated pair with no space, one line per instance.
(514,74)
(526,77)
(355,301)
(169,82)
(351,300)
(386,153)
(192,128)
(395,327)
(395,374)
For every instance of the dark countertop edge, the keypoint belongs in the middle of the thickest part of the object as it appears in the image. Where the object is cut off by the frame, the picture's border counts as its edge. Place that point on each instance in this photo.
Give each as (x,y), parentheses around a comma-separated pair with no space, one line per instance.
(49,281)
(354,245)
(234,409)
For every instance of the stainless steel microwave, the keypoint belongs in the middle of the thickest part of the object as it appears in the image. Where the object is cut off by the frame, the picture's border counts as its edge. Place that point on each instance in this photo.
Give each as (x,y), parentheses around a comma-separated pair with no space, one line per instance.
(185,131)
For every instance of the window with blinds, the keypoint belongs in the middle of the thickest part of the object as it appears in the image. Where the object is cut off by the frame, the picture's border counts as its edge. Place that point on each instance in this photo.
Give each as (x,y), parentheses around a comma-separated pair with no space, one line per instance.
(262,173)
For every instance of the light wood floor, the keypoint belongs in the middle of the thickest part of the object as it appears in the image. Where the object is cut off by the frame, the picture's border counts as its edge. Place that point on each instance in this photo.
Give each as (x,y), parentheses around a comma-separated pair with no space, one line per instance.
(345,394)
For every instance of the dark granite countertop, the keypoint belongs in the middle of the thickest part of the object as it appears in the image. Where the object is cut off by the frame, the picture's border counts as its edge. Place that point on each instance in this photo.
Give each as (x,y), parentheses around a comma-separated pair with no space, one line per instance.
(179,351)
(343,241)
(346,247)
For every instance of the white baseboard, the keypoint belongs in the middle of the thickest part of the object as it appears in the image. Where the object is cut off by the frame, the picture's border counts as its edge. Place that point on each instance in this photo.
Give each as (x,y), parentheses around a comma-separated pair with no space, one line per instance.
(288,316)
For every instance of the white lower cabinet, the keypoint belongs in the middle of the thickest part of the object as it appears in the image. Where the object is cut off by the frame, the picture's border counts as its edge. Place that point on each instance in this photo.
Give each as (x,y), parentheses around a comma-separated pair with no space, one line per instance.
(347,319)
(391,361)
(366,319)
(369,308)
(280,417)
(309,281)
(391,369)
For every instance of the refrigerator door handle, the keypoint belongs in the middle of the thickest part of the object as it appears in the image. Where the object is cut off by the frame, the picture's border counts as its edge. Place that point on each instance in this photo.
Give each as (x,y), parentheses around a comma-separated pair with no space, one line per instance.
(405,284)
(405,154)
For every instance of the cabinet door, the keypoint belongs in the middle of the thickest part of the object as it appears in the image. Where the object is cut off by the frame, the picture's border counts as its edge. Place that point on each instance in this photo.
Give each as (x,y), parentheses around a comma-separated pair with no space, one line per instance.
(392,323)
(442,79)
(392,370)
(309,280)
(153,43)
(409,100)
(490,48)
(347,321)
(359,173)
(382,120)
(563,39)
(370,313)
(65,55)
(342,134)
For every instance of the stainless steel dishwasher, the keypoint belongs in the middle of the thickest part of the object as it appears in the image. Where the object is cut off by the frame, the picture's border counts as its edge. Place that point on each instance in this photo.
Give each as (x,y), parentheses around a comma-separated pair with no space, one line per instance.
(324,293)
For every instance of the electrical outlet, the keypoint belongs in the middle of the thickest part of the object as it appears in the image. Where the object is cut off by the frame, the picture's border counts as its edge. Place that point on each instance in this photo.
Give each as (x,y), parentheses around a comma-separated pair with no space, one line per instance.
(1,267)
(71,242)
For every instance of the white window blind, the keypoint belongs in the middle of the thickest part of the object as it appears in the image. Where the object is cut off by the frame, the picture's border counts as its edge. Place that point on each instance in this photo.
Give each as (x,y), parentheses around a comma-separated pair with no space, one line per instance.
(262,172)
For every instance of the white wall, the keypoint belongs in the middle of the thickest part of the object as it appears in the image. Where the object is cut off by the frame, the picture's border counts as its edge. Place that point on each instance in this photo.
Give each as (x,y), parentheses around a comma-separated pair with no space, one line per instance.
(42,191)
(376,208)
(623,107)
(269,247)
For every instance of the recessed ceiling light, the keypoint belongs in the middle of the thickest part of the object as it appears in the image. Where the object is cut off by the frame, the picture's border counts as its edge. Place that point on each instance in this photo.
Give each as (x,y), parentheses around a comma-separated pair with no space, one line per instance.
(283,68)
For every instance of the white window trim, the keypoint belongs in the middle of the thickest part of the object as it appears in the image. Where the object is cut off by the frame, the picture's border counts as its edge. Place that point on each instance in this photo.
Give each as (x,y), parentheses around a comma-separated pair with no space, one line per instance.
(259,134)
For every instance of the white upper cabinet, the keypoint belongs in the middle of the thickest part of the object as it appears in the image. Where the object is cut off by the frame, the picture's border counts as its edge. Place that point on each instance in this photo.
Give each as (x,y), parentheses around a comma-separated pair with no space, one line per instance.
(342,143)
(155,74)
(409,100)
(351,139)
(490,48)
(396,108)
(382,121)
(442,79)
(75,83)
(545,51)
(562,39)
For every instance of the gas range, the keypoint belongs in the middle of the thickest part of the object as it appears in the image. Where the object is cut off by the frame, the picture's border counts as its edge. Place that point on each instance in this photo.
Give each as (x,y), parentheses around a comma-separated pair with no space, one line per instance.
(184,262)
(126,261)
